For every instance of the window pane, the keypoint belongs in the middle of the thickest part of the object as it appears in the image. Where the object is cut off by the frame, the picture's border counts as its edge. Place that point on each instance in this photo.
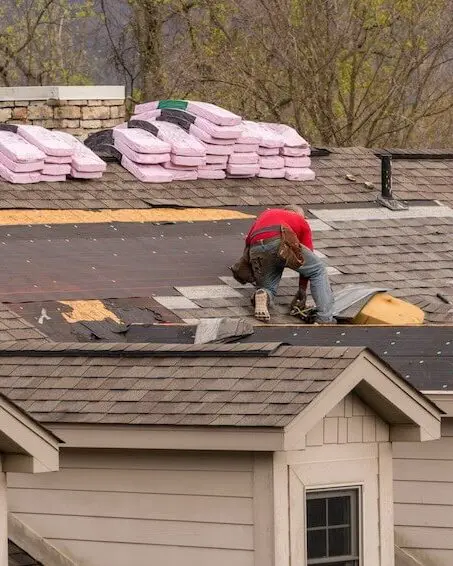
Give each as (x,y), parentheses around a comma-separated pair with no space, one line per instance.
(316,513)
(339,541)
(339,510)
(316,544)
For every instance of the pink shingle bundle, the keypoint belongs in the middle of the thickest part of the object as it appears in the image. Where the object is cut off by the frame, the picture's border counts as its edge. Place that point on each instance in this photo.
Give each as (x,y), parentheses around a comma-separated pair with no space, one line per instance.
(190,139)
(29,154)
(214,114)
(147,173)
(85,164)
(296,153)
(19,150)
(47,141)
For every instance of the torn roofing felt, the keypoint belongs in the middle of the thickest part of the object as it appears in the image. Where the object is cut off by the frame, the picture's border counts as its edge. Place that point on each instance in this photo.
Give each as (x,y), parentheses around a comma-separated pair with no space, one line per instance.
(182,270)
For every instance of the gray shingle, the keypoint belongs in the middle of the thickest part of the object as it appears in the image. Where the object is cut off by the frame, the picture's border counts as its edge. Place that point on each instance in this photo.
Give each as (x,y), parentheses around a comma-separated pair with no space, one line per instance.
(268,398)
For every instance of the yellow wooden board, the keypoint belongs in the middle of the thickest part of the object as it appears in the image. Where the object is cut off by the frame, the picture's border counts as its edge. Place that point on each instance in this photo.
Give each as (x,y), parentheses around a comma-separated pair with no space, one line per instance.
(385,309)
(93,310)
(24,217)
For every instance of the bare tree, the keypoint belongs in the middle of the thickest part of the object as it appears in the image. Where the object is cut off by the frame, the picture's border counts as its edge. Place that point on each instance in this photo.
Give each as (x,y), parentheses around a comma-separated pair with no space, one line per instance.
(43,41)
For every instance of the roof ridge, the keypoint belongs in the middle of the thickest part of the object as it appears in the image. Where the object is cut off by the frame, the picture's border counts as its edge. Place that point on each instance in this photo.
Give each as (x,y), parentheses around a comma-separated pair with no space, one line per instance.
(114,349)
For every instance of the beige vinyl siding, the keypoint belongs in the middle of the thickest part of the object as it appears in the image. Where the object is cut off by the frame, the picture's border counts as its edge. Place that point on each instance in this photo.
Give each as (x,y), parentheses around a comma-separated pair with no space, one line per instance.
(350,422)
(423,492)
(348,447)
(111,508)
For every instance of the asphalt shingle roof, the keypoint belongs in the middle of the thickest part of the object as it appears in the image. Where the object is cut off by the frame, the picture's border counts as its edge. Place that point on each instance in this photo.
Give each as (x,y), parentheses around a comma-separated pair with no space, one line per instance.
(14,327)
(18,557)
(413,179)
(235,384)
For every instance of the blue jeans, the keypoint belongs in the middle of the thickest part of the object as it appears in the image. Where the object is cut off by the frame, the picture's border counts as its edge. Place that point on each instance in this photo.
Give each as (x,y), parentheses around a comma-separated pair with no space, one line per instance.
(268,269)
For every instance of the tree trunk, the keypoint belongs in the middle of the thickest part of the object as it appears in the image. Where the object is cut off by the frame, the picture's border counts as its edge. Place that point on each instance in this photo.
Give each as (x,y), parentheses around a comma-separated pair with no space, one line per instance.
(148,29)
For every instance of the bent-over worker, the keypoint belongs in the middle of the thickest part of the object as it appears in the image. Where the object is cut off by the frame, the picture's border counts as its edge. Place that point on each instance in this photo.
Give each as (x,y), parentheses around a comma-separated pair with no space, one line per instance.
(264,240)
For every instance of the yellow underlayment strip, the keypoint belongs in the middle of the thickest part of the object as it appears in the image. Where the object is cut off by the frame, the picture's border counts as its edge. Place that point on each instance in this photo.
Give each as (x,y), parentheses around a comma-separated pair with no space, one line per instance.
(93,310)
(21,217)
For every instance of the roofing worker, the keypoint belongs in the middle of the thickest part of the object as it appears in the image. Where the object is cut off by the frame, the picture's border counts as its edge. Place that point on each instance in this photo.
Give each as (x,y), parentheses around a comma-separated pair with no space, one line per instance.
(268,258)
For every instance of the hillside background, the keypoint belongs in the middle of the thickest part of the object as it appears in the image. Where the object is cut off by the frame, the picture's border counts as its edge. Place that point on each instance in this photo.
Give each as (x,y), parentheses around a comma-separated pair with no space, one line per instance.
(344,72)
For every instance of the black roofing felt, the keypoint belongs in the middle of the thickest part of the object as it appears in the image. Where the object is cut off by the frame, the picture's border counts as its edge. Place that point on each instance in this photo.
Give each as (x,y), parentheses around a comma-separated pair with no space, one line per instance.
(114,261)
(423,355)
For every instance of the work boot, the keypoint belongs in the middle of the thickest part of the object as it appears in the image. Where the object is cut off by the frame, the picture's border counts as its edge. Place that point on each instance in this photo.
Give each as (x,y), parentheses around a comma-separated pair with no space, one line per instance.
(262,306)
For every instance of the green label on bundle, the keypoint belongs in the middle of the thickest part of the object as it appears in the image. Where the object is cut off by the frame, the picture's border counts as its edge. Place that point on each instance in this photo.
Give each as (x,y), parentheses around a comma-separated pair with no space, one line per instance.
(180,104)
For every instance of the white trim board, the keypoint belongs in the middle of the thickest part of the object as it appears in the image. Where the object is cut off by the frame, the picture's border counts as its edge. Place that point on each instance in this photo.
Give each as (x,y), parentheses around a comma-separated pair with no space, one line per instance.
(102,92)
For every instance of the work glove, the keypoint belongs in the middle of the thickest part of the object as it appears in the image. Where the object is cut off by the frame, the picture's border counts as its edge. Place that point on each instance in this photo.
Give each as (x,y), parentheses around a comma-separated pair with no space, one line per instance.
(299,302)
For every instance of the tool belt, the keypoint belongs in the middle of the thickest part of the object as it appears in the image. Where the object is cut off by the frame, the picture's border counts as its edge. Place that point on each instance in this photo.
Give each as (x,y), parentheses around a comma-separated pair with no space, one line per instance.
(289,249)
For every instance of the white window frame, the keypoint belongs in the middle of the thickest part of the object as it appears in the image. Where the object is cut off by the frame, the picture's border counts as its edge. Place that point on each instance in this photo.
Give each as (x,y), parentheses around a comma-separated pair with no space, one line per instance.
(332,467)
(355,494)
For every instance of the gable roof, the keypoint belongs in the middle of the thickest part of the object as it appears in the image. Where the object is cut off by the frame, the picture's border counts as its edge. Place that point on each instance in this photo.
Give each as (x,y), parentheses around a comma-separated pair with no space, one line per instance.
(202,397)
(241,385)
(237,385)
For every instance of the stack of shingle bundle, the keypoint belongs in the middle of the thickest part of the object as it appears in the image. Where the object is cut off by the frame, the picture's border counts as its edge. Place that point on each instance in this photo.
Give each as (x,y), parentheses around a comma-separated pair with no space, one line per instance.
(295,152)
(20,161)
(29,154)
(178,140)
(84,164)
(143,154)
(58,153)
(271,165)
(187,152)
(216,128)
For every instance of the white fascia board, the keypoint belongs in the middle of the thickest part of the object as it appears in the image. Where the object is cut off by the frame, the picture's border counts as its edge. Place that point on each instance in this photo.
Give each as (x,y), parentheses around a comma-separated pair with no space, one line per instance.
(101,92)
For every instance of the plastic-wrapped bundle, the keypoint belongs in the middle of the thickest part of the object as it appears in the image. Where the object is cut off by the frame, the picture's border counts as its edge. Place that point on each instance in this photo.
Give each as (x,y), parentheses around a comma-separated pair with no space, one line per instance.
(83,159)
(238,158)
(48,142)
(272,162)
(17,167)
(246,148)
(212,174)
(246,169)
(212,149)
(298,162)
(140,141)
(268,137)
(267,151)
(272,173)
(295,151)
(52,178)
(18,149)
(59,169)
(181,142)
(210,112)
(19,178)
(294,174)
(143,158)
(192,123)
(290,136)
(147,173)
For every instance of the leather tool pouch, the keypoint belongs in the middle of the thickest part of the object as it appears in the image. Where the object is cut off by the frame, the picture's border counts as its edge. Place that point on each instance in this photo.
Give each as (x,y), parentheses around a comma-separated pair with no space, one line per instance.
(289,250)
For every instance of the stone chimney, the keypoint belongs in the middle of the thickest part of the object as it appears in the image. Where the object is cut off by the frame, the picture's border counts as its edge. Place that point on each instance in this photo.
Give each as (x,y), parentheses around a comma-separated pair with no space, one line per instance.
(77,110)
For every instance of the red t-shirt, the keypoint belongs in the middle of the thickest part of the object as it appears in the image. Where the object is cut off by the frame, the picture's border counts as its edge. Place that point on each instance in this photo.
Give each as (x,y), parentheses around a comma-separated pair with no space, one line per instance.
(278,217)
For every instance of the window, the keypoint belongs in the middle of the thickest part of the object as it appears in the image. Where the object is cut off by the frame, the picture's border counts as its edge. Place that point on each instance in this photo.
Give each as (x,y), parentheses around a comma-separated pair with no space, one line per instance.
(333,528)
